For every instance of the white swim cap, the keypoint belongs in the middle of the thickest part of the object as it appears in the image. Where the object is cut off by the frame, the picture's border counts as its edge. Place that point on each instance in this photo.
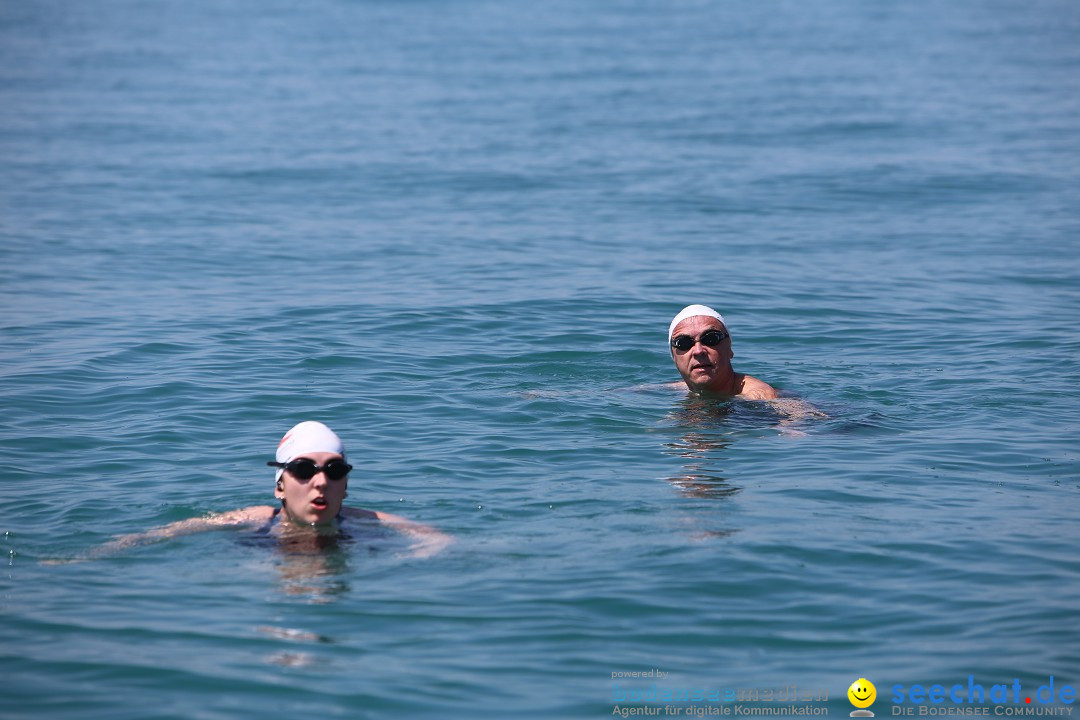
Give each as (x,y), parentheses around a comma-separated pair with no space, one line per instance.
(693,311)
(307,437)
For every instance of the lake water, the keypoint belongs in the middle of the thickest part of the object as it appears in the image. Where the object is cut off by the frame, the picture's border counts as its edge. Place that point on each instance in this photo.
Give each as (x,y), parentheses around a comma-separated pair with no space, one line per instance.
(455,232)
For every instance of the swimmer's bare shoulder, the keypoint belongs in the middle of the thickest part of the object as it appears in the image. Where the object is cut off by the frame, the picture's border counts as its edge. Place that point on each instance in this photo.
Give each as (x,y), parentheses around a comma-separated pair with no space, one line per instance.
(754,389)
(360,513)
(426,540)
(792,407)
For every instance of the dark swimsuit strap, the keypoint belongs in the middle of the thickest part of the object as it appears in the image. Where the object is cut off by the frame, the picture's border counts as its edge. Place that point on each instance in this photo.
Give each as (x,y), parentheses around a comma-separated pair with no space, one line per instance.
(277,511)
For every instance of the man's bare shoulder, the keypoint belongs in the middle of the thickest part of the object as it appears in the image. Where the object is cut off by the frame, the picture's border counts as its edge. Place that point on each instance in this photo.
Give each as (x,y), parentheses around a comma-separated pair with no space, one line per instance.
(754,389)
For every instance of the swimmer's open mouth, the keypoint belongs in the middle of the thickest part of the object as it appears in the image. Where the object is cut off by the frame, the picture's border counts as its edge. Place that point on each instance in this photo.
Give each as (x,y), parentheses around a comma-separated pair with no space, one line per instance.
(319,502)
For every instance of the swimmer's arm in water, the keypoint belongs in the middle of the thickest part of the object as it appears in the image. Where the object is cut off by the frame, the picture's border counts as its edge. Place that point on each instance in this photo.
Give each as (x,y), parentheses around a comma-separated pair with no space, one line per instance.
(792,408)
(249,516)
(427,541)
(794,411)
(254,515)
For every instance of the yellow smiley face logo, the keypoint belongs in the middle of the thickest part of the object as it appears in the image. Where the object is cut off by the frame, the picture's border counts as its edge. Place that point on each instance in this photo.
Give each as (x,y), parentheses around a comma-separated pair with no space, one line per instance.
(862,693)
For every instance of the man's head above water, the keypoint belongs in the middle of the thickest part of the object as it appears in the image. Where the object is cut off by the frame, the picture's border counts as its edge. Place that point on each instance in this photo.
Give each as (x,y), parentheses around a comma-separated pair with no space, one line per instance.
(701,349)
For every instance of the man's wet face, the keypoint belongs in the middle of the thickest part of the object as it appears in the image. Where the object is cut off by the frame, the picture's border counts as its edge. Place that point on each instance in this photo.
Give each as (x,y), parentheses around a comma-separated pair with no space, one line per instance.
(701,366)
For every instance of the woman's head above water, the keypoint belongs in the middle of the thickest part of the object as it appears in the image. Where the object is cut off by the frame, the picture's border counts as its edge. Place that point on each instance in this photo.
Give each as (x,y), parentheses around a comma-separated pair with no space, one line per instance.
(312,474)
(311,477)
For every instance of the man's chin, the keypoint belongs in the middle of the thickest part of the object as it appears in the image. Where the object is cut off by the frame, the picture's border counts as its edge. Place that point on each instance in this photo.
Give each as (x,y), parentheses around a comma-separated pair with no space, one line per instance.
(700,378)
(696,387)
(703,386)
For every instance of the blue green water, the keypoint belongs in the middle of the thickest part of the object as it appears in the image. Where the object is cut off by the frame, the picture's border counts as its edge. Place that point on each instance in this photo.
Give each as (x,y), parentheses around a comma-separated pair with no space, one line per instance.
(456,232)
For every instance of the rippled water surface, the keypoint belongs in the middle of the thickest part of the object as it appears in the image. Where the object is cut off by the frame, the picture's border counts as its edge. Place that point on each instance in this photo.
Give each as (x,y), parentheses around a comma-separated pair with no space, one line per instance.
(456,232)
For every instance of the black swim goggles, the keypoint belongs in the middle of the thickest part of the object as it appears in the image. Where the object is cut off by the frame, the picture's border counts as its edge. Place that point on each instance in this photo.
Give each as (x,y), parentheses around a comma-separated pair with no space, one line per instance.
(304,469)
(709,338)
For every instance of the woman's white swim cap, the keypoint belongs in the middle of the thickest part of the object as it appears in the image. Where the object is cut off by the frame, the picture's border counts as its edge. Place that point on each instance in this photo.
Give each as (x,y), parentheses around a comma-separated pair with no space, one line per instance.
(309,436)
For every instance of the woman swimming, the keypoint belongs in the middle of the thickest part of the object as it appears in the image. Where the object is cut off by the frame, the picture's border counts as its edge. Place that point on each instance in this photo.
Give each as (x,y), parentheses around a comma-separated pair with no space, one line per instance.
(311,480)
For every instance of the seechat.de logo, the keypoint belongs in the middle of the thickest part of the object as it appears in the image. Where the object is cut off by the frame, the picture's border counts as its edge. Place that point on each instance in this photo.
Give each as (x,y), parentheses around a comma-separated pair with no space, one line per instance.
(975,693)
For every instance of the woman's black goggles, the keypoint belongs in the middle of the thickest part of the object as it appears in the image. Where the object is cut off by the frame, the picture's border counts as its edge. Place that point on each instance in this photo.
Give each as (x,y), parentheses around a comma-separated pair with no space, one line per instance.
(304,469)
(709,338)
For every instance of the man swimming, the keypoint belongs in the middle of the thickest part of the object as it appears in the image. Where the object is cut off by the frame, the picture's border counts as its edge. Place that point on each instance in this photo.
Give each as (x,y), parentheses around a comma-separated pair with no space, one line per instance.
(310,481)
(701,348)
